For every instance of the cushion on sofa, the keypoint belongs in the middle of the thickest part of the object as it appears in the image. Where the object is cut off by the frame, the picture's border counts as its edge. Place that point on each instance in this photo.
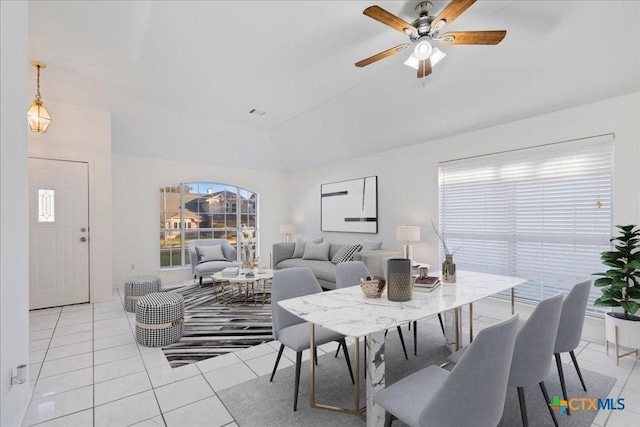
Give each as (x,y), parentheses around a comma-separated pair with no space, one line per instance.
(323,270)
(298,251)
(345,253)
(210,253)
(370,245)
(211,267)
(317,251)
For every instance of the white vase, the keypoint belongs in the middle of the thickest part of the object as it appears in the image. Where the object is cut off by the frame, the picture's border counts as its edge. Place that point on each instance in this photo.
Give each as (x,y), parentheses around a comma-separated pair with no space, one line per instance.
(622,333)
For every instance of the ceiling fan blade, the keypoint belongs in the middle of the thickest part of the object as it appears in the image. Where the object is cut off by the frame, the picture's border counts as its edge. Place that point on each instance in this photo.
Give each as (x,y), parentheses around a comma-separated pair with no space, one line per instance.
(473,37)
(424,68)
(451,12)
(381,15)
(381,55)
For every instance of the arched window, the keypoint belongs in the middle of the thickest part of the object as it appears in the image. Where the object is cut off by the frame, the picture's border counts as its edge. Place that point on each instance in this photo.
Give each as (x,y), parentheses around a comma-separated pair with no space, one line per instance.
(202,210)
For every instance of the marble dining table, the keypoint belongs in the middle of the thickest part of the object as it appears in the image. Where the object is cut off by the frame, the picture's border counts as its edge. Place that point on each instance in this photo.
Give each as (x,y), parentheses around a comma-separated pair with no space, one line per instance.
(348,312)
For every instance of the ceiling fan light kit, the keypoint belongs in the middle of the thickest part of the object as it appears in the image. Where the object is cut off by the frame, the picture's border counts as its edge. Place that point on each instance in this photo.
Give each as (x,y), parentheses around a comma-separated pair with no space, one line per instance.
(421,31)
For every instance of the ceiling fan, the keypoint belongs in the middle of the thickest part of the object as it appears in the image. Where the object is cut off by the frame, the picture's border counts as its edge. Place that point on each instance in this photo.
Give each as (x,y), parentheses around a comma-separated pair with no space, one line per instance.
(425,29)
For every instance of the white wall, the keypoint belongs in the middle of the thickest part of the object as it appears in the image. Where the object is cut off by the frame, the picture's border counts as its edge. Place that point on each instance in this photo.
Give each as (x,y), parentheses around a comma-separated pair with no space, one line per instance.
(408,177)
(14,207)
(136,208)
(84,134)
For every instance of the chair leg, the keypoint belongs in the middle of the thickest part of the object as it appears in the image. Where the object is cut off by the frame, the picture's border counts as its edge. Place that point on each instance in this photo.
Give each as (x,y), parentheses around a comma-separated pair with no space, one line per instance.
(575,363)
(415,338)
(546,399)
(315,355)
(388,419)
(561,374)
(346,356)
(523,407)
(402,341)
(441,323)
(200,280)
(295,395)
(338,350)
(277,361)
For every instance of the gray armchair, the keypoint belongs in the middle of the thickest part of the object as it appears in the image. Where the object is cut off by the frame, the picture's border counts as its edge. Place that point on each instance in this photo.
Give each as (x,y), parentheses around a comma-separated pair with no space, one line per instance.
(570,330)
(472,394)
(200,266)
(531,361)
(292,331)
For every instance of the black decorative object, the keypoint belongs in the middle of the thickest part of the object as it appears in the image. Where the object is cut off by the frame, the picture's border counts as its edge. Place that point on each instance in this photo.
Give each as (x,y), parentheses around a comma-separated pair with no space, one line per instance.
(399,282)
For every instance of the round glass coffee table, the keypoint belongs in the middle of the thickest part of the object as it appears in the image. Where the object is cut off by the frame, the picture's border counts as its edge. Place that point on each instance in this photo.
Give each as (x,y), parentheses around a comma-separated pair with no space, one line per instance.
(251,282)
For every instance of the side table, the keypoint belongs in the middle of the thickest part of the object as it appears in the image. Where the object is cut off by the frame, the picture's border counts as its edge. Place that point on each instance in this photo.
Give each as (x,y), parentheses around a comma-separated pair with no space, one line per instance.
(259,278)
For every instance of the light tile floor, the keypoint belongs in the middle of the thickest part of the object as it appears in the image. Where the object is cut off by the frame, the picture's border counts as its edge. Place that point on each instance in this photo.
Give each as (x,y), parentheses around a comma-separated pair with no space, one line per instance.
(87,369)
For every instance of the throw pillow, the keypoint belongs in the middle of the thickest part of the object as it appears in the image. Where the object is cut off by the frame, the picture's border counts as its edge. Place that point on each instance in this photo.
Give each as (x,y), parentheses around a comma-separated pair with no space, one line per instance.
(345,254)
(210,253)
(298,250)
(317,251)
(369,245)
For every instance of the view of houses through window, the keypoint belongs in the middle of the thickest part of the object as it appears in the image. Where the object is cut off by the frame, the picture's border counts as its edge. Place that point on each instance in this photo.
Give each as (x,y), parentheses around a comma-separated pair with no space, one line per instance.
(202,210)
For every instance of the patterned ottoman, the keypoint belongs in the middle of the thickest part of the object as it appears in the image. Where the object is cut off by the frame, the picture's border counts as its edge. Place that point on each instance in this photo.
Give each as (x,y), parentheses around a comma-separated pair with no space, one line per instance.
(137,286)
(159,319)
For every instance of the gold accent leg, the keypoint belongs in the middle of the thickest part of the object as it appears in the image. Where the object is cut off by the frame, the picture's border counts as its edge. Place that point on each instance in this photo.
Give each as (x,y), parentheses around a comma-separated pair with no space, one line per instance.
(356,386)
(513,301)
(470,323)
(456,325)
(356,410)
(312,350)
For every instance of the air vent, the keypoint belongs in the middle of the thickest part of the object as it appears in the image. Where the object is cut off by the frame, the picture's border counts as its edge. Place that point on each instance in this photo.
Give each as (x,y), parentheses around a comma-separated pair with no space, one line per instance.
(257,112)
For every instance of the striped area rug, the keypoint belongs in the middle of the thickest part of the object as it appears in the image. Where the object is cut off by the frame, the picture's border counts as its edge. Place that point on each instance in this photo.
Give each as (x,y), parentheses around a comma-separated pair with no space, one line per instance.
(212,329)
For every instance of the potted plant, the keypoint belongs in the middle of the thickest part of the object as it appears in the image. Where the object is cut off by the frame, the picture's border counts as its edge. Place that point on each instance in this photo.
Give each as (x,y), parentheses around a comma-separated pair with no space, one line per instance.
(620,286)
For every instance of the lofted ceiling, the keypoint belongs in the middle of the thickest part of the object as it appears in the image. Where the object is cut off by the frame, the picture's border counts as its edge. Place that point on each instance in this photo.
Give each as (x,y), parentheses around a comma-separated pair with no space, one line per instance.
(187,73)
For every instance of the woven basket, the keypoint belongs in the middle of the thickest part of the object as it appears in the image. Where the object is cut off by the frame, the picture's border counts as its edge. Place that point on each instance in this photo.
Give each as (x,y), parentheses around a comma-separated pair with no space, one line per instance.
(372,288)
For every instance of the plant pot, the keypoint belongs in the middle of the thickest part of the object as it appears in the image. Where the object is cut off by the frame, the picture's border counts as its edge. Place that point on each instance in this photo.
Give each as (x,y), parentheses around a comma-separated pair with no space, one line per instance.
(622,332)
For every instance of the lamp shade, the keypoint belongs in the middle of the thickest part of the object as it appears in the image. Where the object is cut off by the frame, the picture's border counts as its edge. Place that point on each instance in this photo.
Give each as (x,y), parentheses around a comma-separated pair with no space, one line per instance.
(38,117)
(287,229)
(408,233)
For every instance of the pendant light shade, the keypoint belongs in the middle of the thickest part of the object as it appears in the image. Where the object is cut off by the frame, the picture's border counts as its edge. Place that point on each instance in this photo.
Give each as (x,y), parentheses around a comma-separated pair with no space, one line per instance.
(38,116)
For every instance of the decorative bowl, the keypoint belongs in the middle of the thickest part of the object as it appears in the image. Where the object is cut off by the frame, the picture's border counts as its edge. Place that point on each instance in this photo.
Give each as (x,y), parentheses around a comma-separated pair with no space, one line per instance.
(372,288)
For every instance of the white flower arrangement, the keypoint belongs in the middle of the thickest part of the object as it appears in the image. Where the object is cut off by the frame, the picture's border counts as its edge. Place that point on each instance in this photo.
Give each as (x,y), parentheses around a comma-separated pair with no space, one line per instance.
(247,245)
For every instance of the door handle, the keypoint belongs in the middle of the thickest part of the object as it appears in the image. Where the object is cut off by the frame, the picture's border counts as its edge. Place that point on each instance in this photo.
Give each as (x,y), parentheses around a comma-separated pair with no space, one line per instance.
(83,239)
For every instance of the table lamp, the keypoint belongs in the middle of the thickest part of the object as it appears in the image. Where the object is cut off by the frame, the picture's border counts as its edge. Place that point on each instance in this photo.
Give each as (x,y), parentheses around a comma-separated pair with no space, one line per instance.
(287,229)
(408,233)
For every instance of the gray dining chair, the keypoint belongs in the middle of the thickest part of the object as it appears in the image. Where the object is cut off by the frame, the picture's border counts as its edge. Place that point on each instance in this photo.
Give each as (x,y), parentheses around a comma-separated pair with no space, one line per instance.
(292,331)
(531,361)
(415,323)
(472,394)
(574,308)
(349,274)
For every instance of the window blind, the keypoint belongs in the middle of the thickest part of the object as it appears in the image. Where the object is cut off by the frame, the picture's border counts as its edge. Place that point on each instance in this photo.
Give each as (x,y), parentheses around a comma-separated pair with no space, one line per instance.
(541,213)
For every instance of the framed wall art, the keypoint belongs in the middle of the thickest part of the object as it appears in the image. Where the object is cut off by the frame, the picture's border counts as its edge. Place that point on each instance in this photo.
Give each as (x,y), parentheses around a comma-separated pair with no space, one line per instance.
(350,206)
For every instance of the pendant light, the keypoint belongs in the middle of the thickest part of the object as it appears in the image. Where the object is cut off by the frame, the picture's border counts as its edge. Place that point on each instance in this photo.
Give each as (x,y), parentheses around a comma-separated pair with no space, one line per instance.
(38,116)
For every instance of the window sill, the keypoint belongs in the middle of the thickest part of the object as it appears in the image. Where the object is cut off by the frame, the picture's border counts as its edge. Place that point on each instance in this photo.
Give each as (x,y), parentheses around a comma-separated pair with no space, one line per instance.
(174,268)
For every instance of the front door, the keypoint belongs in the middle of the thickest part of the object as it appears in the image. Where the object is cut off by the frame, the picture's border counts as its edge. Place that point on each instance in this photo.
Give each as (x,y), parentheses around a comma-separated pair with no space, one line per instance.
(58,233)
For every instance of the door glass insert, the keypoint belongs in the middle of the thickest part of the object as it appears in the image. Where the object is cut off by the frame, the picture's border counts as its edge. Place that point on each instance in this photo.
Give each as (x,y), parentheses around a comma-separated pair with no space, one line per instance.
(46,205)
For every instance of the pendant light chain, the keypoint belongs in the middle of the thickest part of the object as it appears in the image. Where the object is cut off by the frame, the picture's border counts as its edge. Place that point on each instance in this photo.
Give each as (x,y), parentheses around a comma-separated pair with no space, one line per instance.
(38,97)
